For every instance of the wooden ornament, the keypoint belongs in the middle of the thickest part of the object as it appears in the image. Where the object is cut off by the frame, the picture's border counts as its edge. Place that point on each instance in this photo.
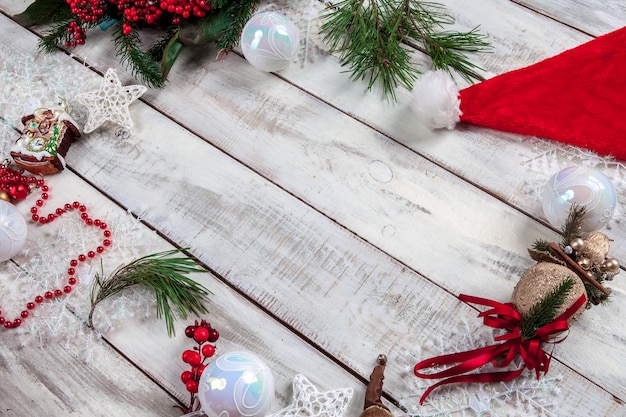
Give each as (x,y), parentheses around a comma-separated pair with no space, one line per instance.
(539,280)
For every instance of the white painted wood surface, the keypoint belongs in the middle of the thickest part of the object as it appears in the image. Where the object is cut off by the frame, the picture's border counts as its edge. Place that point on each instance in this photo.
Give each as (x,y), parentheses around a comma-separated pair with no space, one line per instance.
(333,226)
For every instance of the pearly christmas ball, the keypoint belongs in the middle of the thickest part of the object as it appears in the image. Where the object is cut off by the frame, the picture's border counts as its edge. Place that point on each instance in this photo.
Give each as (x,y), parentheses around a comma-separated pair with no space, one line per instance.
(236,384)
(539,280)
(583,186)
(12,230)
(270,41)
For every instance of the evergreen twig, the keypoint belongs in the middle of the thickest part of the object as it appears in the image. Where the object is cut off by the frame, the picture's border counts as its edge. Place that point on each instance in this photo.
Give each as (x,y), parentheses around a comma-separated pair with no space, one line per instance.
(573,225)
(240,12)
(128,49)
(162,274)
(54,37)
(545,311)
(156,50)
(541,245)
(370,38)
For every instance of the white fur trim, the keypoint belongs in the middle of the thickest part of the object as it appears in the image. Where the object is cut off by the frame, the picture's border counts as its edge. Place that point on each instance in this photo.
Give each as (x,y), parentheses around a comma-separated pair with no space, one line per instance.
(436,100)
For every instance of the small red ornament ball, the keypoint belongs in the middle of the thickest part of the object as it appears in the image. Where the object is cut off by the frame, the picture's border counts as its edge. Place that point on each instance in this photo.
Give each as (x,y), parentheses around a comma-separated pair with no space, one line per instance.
(213,335)
(208,350)
(201,334)
(192,386)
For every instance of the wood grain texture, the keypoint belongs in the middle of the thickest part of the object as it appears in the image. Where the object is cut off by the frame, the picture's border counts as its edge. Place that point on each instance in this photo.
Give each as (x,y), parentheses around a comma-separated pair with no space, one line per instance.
(315,261)
(595,18)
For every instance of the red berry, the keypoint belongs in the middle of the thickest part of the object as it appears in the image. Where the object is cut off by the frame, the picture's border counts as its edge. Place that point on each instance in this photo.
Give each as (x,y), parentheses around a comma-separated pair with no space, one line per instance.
(201,334)
(213,335)
(201,370)
(208,350)
(189,331)
(186,355)
(194,359)
(192,386)
(186,376)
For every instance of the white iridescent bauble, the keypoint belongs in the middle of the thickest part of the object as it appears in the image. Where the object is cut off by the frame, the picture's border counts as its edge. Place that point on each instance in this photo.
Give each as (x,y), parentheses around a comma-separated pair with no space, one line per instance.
(583,186)
(236,384)
(12,230)
(270,41)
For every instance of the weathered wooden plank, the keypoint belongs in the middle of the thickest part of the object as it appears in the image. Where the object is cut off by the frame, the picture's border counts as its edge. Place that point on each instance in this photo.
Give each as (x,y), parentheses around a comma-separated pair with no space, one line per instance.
(376,168)
(594,18)
(53,381)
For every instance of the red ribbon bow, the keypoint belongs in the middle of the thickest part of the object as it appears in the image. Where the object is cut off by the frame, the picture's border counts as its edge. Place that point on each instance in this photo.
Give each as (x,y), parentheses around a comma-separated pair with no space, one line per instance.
(500,316)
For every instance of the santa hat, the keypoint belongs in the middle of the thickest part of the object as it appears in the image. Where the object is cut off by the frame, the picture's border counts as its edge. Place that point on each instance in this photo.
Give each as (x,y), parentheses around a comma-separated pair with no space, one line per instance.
(576,97)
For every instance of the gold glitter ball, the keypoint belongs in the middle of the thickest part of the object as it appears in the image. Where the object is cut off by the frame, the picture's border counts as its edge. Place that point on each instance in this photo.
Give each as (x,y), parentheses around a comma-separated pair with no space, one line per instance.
(539,280)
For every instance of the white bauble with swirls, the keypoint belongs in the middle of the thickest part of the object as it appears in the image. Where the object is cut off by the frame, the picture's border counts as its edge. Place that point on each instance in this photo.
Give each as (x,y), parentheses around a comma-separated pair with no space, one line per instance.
(270,41)
(236,384)
(12,230)
(583,186)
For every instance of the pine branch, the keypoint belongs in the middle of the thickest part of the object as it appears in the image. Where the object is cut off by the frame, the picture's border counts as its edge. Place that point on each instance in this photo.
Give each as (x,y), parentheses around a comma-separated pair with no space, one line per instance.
(54,37)
(128,49)
(165,276)
(573,225)
(239,14)
(370,38)
(156,50)
(541,245)
(545,311)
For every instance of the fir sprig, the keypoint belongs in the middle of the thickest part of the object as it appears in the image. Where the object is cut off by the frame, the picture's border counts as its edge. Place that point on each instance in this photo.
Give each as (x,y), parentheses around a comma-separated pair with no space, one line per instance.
(371,37)
(163,274)
(545,311)
(128,49)
(573,225)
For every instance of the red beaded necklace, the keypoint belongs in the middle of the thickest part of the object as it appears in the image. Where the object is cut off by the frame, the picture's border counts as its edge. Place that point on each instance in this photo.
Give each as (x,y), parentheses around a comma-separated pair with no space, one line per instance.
(17,186)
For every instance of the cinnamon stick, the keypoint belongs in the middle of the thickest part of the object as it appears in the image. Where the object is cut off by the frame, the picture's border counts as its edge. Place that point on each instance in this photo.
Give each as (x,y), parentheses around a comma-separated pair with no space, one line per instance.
(577,268)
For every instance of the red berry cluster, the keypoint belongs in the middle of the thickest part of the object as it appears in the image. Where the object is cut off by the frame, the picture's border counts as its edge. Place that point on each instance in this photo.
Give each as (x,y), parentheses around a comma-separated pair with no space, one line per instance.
(87,10)
(198,358)
(75,34)
(185,9)
(16,185)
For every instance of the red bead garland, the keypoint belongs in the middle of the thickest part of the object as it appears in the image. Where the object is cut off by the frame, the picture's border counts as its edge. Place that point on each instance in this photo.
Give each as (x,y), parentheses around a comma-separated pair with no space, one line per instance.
(10,178)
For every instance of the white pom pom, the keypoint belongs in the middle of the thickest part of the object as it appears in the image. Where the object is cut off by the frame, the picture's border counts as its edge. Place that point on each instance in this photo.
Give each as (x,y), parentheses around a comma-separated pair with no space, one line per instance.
(436,100)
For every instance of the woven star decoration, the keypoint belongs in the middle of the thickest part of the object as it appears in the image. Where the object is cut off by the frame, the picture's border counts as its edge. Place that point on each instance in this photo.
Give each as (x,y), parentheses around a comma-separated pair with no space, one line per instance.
(308,401)
(110,103)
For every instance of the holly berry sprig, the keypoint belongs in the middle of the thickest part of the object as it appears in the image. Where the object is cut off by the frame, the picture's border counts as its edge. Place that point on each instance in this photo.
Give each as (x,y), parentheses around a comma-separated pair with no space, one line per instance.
(197,358)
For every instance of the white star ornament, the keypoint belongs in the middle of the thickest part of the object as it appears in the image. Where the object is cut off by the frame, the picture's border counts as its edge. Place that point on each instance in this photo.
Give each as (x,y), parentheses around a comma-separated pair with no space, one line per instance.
(110,103)
(308,401)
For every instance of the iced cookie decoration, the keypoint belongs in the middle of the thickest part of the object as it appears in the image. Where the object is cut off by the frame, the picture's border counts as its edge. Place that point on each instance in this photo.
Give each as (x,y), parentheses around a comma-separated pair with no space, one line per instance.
(47,136)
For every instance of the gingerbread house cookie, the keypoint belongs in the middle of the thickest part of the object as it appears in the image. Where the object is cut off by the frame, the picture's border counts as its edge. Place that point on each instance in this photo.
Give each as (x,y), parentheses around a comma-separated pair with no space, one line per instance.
(47,136)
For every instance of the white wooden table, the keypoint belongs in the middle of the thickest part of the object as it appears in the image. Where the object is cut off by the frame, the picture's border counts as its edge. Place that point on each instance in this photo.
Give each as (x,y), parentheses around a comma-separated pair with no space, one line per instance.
(331,225)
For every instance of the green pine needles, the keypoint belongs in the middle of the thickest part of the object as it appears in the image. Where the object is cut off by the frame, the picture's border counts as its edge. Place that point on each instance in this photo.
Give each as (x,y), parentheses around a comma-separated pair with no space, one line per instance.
(544,312)
(371,38)
(165,276)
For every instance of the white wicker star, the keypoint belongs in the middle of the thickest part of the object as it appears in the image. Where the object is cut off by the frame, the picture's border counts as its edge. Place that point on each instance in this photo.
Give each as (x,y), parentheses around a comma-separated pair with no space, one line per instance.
(308,401)
(110,102)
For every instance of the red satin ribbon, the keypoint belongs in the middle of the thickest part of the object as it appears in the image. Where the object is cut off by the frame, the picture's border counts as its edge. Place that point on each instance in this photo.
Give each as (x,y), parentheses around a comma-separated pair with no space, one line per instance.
(500,316)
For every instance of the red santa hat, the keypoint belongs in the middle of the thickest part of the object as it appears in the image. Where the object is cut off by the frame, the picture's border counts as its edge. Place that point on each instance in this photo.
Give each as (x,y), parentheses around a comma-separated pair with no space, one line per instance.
(576,97)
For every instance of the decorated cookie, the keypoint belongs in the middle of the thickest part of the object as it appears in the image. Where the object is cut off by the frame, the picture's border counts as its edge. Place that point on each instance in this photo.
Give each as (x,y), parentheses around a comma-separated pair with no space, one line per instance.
(47,136)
